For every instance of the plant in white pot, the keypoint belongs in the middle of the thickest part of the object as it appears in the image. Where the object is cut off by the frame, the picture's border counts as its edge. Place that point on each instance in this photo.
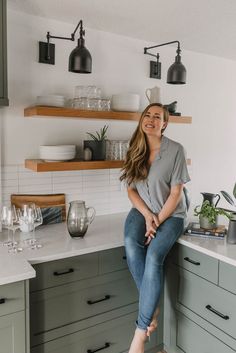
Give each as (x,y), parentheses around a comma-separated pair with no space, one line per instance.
(98,144)
(208,214)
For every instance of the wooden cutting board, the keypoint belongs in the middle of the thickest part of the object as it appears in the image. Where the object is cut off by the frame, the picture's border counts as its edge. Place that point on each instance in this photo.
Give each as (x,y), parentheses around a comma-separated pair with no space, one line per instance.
(50,203)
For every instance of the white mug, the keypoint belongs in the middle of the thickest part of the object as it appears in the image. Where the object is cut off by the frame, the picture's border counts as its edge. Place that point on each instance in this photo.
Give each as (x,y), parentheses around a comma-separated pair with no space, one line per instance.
(153,94)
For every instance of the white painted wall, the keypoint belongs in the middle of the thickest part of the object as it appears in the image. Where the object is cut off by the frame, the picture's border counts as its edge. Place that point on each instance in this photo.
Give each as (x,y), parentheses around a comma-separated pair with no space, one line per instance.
(119,65)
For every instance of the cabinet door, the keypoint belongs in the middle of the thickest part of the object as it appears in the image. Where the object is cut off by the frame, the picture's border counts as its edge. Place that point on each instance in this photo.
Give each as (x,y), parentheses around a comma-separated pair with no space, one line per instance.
(3,54)
(12,333)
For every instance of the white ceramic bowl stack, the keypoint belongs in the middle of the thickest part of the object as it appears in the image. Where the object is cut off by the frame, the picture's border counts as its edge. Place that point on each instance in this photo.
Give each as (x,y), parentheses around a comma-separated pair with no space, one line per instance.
(55,153)
(51,100)
(125,102)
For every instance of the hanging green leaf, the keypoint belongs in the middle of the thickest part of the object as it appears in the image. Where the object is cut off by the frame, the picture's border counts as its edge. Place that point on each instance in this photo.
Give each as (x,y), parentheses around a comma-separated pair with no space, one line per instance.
(228,197)
(234,190)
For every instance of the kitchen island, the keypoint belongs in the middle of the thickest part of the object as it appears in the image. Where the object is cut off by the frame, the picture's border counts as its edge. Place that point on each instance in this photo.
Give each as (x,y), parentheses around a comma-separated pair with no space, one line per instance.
(100,256)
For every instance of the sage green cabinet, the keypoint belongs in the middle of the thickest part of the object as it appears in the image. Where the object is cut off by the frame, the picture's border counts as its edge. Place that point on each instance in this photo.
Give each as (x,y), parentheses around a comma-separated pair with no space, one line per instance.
(13,318)
(3,54)
(90,305)
(12,333)
(200,311)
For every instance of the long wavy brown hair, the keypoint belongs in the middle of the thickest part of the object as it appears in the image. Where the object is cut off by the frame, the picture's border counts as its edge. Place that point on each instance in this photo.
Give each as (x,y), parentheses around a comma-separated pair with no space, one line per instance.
(136,162)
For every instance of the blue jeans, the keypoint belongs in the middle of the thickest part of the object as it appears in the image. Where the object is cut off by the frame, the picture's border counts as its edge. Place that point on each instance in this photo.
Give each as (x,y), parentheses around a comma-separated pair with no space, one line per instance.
(146,261)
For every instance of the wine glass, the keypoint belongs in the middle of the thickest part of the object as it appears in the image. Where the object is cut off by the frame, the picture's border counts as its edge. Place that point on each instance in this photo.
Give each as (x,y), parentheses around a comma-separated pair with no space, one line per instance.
(38,220)
(31,217)
(10,220)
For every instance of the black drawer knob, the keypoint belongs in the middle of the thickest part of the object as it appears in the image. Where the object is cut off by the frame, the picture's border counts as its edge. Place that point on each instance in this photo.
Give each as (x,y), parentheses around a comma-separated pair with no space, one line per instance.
(2,300)
(209,307)
(107,345)
(91,302)
(56,273)
(192,261)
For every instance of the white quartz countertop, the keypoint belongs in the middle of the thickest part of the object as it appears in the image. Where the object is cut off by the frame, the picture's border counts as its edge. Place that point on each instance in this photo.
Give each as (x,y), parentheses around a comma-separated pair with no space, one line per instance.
(106,232)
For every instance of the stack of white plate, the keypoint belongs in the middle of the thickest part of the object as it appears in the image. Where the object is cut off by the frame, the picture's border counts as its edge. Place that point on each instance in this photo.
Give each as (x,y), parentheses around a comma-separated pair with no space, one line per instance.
(125,102)
(51,100)
(56,153)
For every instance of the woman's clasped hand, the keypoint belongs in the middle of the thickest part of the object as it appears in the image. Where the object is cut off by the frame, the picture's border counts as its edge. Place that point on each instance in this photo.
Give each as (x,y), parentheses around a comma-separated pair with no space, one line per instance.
(152,223)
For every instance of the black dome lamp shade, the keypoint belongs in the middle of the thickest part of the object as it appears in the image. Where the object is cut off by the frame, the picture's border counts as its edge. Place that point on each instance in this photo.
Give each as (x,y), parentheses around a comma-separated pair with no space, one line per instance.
(80,60)
(176,74)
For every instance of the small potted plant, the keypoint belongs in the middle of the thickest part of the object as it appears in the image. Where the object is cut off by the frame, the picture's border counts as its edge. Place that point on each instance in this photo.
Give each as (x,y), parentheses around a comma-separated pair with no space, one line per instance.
(208,215)
(98,144)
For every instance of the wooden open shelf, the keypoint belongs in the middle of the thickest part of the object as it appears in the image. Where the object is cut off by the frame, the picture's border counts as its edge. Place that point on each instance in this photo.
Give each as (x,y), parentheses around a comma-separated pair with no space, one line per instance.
(92,114)
(39,165)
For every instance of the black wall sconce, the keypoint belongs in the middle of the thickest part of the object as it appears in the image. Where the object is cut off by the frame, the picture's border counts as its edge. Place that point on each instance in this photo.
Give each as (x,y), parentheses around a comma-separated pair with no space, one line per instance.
(80,59)
(176,74)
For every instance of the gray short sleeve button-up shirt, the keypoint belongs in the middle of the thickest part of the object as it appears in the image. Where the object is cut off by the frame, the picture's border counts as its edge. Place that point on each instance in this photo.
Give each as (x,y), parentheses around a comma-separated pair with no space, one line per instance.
(168,169)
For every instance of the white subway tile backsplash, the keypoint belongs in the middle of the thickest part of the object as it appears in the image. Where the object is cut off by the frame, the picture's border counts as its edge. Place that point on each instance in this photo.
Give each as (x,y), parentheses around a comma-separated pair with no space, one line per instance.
(75,179)
(69,173)
(100,188)
(96,172)
(9,182)
(35,189)
(67,188)
(10,168)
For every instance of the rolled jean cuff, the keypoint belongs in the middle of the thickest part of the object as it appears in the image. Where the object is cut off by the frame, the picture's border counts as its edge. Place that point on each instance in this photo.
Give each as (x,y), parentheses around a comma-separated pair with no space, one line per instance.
(141,327)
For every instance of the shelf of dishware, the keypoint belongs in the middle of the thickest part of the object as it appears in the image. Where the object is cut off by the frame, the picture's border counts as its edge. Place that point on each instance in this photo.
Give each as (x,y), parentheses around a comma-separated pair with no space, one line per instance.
(39,165)
(44,111)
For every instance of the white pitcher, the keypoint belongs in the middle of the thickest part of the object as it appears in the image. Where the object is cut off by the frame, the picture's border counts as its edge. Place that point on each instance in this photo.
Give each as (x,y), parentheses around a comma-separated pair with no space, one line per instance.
(153,94)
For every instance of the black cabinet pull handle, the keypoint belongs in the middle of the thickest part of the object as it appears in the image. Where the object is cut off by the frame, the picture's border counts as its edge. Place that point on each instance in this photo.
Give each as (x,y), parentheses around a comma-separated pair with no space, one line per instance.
(99,349)
(209,307)
(91,302)
(2,300)
(192,261)
(124,257)
(63,273)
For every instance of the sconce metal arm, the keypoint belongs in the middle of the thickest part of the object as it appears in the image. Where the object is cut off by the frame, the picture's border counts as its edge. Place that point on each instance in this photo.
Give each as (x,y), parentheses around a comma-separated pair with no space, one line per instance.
(72,37)
(161,45)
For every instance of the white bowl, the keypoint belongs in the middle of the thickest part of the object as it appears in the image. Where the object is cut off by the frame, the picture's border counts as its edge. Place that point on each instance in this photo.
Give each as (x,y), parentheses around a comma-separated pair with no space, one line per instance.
(55,101)
(125,102)
(57,152)
(57,148)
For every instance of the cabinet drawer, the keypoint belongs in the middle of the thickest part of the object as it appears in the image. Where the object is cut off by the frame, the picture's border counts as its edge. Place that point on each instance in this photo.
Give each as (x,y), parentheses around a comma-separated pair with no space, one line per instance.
(227,277)
(55,307)
(196,262)
(110,337)
(191,338)
(68,270)
(12,298)
(212,303)
(112,260)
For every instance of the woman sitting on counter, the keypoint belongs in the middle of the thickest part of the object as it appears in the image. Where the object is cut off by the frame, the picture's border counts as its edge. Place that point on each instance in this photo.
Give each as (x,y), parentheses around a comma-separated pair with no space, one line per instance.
(155,170)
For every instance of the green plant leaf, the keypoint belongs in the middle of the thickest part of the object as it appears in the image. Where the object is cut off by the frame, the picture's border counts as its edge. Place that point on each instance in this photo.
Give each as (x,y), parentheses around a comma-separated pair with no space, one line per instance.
(210,211)
(234,190)
(228,197)
(92,136)
(101,135)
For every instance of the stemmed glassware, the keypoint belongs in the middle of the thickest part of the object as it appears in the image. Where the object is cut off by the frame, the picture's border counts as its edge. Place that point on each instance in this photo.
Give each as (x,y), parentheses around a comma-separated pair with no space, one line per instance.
(10,220)
(30,218)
